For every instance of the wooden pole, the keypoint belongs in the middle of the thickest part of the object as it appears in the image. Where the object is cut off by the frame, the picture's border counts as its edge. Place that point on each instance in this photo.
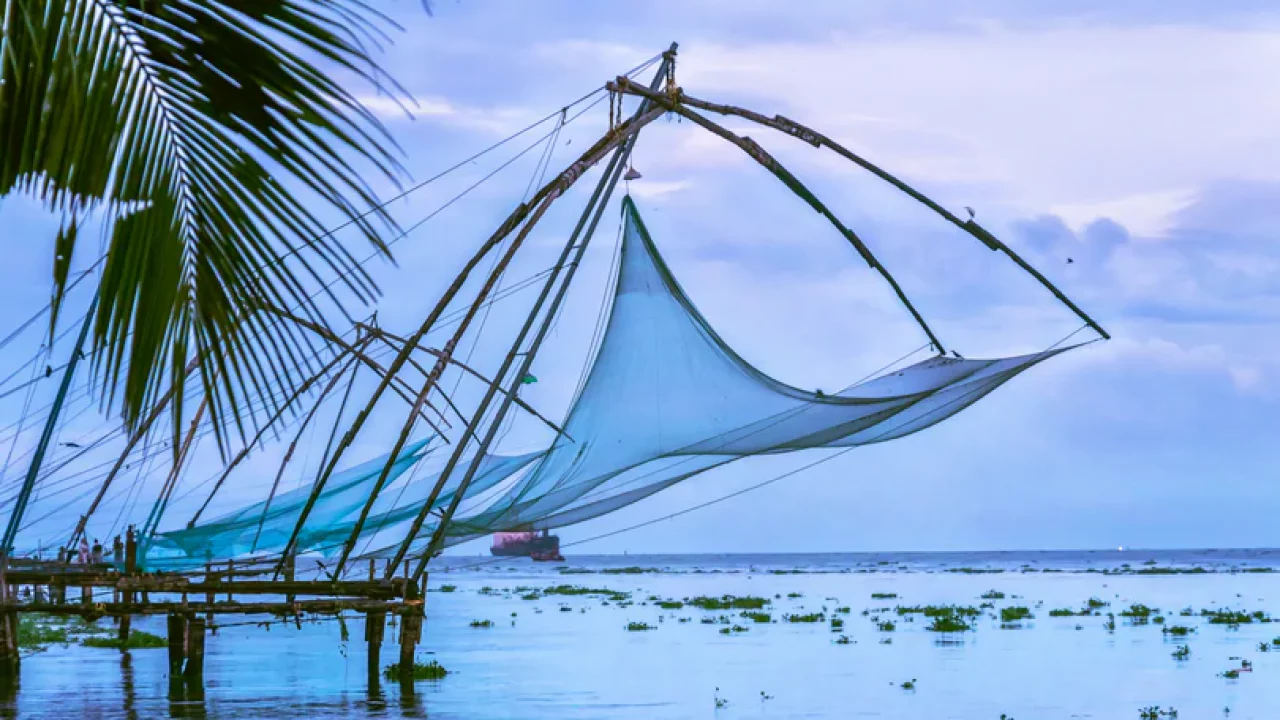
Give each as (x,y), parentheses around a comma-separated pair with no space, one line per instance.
(231,566)
(210,580)
(9,658)
(177,643)
(374,630)
(194,671)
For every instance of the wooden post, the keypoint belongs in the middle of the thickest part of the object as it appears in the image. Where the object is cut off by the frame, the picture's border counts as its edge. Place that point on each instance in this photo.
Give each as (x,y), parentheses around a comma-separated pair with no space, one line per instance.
(410,629)
(177,643)
(208,597)
(231,566)
(131,557)
(374,630)
(290,568)
(194,671)
(9,645)
(373,570)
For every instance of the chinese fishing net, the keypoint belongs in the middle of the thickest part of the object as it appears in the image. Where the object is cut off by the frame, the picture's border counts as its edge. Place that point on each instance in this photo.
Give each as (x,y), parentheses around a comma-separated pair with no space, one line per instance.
(665,399)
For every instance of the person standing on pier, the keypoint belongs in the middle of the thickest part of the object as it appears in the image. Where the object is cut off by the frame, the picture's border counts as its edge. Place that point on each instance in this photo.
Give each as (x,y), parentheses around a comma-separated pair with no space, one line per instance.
(83,556)
(97,551)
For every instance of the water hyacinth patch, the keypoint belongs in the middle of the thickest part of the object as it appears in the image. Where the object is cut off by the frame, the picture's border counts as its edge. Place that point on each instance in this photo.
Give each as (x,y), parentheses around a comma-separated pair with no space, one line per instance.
(420,671)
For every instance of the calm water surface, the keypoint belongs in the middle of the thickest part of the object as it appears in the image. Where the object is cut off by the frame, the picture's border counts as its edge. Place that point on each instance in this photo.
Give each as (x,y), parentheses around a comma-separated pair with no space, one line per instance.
(539,661)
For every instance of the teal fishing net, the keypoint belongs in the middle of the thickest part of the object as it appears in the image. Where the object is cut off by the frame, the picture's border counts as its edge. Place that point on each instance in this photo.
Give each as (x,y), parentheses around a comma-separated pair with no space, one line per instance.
(666,398)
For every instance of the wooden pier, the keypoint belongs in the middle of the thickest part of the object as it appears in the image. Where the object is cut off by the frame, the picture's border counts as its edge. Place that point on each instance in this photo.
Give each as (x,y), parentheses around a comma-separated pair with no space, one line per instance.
(193,601)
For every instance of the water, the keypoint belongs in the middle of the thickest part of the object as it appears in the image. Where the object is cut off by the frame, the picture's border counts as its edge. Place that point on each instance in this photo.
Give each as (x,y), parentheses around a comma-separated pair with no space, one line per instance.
(547,663)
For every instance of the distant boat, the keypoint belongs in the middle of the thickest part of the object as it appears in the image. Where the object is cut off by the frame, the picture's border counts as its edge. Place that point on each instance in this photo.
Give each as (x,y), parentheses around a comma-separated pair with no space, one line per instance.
(544,547)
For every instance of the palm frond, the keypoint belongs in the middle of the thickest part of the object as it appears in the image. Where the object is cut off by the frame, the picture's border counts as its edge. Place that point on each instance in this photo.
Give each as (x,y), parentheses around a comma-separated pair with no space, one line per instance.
(207,134)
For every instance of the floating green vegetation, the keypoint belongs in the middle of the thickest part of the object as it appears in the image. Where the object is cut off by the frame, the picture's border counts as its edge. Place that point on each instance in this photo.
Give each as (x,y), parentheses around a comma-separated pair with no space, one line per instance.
(757,616)
(531,596)
(975,571)
(670,604)
(137,640)
(1168,571)
(1232,674)
(1094,603)
(481,623)
(836,624)
(448,588)
(932,611)
(816,617)
(1155,712)
(628,571)
(727,602)
(843,640)
(883,596)
(1234,617)
(734,629)
(1066,612)
(1158,620)
(909,684)
(32,633)
(579,590)
(1014,614)
(1182,653)
(1178,630)
(948,624)
(1137,610)
(639,626)
(1275,641)
(794,595)
(843,610)
(992,595)
(486,590)
(708,621)
(886,626)
(575,571)
(565,608)
(420,671)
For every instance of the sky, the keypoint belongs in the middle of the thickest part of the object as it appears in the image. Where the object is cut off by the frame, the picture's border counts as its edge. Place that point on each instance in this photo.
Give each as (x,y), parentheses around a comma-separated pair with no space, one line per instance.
(1139,140)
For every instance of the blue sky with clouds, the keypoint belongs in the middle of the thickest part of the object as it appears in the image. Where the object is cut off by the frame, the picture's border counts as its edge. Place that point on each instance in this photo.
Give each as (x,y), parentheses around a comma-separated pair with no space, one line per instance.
(1139,139)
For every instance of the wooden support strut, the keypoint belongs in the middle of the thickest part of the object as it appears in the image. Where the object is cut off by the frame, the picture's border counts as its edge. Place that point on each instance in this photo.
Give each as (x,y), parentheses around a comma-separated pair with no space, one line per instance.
(544,198)
(670,101)
(818,140)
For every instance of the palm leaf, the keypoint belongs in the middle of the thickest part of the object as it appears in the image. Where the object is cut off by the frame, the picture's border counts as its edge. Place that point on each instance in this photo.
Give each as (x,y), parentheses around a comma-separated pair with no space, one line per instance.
(208,137)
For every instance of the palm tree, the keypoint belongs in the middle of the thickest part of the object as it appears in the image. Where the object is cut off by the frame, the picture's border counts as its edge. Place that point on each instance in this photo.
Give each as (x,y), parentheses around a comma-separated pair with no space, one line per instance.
(208,141)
